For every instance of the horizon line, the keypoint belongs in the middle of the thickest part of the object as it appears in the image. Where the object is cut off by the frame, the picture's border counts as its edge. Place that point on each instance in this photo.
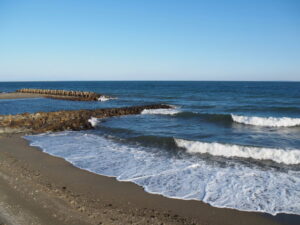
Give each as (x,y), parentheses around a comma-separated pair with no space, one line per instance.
(152,81)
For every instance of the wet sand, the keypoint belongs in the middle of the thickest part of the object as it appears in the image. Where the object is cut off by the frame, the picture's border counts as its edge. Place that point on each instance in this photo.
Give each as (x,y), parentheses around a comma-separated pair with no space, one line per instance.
(36,188)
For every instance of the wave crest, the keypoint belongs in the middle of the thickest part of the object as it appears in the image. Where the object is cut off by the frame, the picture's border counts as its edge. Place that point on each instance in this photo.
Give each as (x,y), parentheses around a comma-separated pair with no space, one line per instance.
(267,121)
(105,98)
(161,111)
(288,157)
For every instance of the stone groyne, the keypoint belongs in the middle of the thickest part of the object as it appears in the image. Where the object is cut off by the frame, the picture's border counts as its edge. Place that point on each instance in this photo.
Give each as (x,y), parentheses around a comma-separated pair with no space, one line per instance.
(64,94)
(64,120)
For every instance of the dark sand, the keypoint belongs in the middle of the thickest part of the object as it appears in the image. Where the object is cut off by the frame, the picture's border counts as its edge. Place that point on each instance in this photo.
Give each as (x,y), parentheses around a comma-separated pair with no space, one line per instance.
(36,188)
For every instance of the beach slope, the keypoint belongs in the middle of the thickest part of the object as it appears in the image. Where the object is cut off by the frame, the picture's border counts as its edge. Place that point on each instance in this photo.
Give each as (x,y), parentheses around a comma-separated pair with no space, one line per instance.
(36,188)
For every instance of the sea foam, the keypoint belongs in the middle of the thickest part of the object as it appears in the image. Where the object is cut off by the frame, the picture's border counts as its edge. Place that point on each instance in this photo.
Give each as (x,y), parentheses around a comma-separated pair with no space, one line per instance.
(234,185)
(105,98)
(267,121)
(93,121)
(226,150)
(161,111)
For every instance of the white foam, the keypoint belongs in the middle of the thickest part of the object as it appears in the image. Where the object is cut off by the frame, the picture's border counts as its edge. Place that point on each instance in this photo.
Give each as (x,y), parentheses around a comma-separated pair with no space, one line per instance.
(231,185)
(104,98)
(216,149)
(161,111)
(267,121)
(93,121)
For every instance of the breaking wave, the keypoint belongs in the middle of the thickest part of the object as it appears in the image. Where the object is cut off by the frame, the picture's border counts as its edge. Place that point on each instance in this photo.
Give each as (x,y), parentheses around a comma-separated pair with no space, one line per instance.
(267,121)
(248,120)
(238,186)
(288,157)
(161,111)
(105,98)
(228,118)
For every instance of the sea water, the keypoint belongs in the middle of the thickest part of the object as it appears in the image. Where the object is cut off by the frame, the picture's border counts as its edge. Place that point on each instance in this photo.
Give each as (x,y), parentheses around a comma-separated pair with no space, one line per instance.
(229,144)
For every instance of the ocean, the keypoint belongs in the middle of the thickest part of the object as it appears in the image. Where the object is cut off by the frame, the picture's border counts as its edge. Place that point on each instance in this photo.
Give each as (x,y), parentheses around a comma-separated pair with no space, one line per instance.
(229,144)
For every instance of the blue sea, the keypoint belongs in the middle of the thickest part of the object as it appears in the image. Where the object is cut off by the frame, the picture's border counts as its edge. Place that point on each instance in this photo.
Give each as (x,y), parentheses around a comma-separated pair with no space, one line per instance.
(229,144)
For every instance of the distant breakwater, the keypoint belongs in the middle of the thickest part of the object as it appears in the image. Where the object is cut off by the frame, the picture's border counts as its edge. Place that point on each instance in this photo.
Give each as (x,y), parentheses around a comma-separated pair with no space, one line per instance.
(64,120)
(64,94)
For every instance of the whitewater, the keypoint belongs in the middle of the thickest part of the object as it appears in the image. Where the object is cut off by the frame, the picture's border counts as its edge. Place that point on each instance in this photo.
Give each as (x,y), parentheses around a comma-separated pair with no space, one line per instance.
(247,120)
(230,144)
(238,186)
(267,121)
(161,111)
(289,156)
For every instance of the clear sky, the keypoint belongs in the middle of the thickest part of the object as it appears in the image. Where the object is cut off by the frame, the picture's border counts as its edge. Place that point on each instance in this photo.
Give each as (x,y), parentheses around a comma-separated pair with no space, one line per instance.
(149,40)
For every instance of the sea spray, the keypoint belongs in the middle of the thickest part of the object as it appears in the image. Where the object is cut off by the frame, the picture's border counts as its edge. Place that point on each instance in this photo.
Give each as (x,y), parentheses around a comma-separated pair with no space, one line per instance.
(93,121)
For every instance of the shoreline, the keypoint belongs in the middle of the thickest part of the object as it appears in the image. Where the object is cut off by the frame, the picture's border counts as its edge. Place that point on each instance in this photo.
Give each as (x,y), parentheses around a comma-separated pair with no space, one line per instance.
(91,198)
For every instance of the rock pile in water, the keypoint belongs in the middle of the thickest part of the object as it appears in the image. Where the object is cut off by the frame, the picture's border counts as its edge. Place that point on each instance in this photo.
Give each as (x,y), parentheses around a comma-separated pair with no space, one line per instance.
(64,120)
(64,94)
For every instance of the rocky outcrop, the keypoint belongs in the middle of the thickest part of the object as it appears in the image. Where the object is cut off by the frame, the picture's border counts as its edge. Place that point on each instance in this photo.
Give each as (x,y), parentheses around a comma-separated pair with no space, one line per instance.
(63,94)
(64,120)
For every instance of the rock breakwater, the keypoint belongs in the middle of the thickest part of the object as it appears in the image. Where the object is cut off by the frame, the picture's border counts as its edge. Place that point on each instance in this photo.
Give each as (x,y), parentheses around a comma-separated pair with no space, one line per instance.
(64,120)
(64,94)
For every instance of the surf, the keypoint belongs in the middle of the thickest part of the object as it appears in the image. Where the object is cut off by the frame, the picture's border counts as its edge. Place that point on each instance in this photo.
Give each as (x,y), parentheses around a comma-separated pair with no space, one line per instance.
(171,111)
(289,157)
(266,121)
(238,186)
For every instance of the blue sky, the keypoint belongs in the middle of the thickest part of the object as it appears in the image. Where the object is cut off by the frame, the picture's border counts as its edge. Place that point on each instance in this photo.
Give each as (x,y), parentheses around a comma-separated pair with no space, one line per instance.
(149,40)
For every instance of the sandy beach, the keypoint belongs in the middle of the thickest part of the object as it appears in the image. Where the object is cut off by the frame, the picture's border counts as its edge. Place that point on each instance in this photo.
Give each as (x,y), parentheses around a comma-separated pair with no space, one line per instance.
(37,188)
(150,112)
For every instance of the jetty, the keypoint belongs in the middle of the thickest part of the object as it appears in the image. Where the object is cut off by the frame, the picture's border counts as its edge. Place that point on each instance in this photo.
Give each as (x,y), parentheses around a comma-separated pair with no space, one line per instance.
(65,120)
(64,94)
